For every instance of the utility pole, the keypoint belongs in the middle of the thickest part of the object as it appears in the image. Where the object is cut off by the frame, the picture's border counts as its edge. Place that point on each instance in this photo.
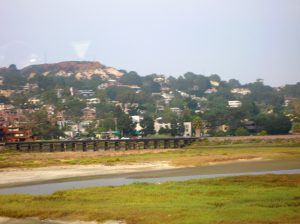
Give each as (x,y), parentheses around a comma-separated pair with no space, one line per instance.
(116,123)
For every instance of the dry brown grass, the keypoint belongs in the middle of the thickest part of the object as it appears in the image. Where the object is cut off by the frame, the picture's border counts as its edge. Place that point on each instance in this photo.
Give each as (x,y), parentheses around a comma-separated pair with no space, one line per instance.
(198,154)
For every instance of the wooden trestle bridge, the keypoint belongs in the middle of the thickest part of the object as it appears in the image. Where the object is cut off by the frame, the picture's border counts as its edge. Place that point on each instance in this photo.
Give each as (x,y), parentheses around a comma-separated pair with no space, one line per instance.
(103,144)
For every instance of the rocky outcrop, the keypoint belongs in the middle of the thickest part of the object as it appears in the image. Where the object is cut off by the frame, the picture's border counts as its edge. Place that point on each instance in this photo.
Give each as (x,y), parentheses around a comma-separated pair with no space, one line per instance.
(78,69)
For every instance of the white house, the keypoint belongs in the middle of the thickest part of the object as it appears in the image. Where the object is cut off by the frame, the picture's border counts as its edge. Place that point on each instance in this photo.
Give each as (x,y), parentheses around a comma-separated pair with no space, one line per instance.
(137,119)
(158,125)
(176,110)
(234,103)
(93,101)
(242,91)
(212,90)
(187,129)
(214,83)
(34,100)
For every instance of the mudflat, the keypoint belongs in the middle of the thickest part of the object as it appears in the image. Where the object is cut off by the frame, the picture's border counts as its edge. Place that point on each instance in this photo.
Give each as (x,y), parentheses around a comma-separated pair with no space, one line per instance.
(147,170)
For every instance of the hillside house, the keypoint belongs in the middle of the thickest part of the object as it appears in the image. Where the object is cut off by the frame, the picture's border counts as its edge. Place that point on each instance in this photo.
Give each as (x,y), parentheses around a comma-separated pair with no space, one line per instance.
(158,124)
(93,101)
(14,134)
(176,110)
(34,101)
(241,91)
(89,114)
(210,91)
(234,103)
(187,129)
(137,119)
(214,83)
(86,93)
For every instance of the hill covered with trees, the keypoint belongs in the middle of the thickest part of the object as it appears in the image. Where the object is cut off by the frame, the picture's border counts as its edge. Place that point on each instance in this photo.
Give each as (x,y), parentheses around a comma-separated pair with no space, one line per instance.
(102,98)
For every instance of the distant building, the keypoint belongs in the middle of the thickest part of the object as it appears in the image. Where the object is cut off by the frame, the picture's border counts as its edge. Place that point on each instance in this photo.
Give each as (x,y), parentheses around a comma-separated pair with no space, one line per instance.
(137,119)
(176,110)
(11,117)
(89,114)
(50,111)
(183,94)
(167,97)
(223,128)
(59,93)
(234,104)
(86,93)
(71,91)
(160,79)
(249,125)
(60,116)
(34,100)
(187,129)
(6,92)
(14,134)
(160,108)
(214,83)
(158,125)
(242,91)
(93,101)
(30,87)
(210,91)
(6,106)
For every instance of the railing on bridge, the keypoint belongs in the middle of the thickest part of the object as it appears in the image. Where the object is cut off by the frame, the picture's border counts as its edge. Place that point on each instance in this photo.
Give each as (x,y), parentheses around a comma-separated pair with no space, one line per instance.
(95,145)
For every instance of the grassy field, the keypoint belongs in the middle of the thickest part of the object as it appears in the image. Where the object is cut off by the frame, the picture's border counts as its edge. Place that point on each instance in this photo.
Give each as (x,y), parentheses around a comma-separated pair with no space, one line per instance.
(198,154)
(247,199)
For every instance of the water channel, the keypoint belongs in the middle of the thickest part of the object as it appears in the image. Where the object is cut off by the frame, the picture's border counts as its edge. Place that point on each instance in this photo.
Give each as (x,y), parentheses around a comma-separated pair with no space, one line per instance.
(291,166)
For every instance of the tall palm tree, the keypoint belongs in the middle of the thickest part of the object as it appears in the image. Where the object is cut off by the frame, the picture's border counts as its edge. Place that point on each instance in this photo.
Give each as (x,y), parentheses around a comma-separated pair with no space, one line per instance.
(197,125)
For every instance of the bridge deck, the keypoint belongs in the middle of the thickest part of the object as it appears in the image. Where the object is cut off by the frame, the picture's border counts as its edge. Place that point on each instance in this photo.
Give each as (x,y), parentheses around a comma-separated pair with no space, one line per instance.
(103,144)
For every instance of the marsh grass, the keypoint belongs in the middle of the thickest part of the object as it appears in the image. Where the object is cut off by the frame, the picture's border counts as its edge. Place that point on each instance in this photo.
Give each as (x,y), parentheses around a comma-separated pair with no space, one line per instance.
(198,154)
(244,199)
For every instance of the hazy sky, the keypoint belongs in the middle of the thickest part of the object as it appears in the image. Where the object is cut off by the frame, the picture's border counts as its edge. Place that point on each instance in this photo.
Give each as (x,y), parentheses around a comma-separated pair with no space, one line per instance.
(242,39)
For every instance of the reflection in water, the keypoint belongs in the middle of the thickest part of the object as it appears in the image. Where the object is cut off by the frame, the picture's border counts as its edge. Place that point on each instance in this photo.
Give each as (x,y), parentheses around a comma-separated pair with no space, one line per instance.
(52,187)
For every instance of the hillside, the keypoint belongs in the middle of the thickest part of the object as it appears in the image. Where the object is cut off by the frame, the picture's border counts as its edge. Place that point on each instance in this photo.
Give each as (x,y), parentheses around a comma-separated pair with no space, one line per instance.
(79,69)
(99,98)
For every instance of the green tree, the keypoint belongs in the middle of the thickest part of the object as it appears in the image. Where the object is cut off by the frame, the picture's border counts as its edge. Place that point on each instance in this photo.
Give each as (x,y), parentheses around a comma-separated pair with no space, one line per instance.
(4,99)
(220,134)
(241,132)
(148,125)
(296,128)
(168,116)
(131,78)
(262,133)
(215,77)
(13,78)
(149,86)
(42,127)
(233,83)
(124,121)
(50,97)
(273,123)
(73,108)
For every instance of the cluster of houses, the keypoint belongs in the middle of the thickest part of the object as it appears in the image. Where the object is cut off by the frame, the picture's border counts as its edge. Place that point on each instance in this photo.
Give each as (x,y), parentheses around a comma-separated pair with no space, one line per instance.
(12,118)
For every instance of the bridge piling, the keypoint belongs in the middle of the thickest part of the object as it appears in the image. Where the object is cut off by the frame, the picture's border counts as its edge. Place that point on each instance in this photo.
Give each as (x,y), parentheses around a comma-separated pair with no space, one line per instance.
(95,145)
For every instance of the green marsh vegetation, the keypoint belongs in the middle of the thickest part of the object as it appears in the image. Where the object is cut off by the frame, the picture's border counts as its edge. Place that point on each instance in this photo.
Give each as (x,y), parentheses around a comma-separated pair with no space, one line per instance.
(245,199)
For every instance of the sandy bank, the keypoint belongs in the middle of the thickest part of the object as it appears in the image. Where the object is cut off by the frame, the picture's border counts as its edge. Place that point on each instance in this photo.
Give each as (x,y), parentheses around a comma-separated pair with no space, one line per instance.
(29,175)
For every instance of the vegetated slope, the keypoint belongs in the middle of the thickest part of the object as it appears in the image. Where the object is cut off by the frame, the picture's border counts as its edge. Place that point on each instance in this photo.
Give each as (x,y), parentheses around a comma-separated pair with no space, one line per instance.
(81,70)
